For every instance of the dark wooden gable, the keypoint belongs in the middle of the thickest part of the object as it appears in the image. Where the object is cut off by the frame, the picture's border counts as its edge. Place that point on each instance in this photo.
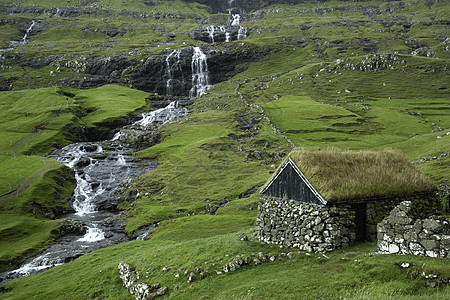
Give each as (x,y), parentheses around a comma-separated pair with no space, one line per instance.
(289,183)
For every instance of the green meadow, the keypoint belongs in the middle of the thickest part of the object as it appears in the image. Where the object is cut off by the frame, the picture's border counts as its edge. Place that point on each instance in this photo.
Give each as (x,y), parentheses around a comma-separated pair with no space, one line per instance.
(328,75)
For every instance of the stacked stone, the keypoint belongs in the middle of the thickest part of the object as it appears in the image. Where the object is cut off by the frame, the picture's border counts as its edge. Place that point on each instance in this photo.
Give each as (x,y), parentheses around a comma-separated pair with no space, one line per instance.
(400,234)
(309,227)
(140,290)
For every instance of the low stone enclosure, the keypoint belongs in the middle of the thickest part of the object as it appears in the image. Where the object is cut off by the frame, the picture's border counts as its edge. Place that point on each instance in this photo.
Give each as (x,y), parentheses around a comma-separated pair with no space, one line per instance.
(401,233)
(309,211)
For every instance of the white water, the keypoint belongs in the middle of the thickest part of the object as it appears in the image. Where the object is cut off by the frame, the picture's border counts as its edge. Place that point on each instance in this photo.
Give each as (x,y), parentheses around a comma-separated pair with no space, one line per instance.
(39,263)
(242,33)
(224,30)
(200,77)
(227,37)
(172,60)
(162,115)
(236,19)
(121,160)
(116,136)
(84,194)
(93,234)
(211,30)
(88,159)
(24,39)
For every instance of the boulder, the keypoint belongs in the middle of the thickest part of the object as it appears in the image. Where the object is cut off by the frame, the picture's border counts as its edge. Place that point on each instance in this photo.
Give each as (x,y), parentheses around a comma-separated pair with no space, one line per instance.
(139,137)
(73,226)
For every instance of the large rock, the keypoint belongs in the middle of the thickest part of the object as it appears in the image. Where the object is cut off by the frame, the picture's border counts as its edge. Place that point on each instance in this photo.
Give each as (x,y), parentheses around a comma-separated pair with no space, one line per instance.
(139,137)
(71,226)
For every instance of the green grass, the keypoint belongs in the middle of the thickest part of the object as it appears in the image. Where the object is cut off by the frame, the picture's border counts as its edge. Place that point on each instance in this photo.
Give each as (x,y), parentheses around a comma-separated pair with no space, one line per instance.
(349,273)
(199,167)
(22,236)
(209,159)
(345,175)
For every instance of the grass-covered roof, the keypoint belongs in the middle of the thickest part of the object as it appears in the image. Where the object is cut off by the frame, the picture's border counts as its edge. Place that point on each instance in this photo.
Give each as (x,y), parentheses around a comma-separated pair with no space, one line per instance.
(344,175)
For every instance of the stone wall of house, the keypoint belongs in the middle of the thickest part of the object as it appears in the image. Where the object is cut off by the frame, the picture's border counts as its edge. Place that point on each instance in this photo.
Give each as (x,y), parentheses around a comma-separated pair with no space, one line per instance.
(305,226)
(378,208)
(401,233)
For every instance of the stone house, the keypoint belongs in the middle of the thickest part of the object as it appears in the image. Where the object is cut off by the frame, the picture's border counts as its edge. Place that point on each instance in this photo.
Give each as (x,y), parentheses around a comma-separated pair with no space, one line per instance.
(325,200)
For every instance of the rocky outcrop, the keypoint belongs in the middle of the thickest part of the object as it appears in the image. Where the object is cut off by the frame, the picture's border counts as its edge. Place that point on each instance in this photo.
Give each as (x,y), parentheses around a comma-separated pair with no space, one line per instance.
(70,225)
(222,6)
(219,34)
(400,233)
(305,226)
(139,137)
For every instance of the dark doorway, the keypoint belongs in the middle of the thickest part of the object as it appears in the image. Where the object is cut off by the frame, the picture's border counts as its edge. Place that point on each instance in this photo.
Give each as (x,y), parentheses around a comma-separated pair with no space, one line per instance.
(360,221)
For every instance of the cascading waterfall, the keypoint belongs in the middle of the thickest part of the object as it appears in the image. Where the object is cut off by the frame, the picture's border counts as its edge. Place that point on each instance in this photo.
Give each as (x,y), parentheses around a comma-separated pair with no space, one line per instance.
(200,77)
(172,62)
(236,19)
(211,30)
(242,33)
(24,39)
(162,115)
(100,168)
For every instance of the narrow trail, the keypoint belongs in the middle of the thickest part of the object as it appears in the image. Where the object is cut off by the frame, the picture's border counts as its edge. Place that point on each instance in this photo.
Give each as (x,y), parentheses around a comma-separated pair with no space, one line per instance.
(261,110)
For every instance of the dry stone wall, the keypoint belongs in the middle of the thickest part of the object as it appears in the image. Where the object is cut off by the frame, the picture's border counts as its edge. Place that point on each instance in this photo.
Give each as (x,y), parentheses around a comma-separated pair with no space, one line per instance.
(140,290)
(401,234)
(305,226)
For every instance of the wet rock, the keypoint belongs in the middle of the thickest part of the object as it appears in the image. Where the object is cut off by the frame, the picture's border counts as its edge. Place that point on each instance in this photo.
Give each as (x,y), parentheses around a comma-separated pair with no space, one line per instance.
(89,147)
(70,225)
(139,137)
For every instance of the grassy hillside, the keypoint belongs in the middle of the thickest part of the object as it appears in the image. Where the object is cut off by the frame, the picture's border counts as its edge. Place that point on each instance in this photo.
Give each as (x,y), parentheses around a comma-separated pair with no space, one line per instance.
(340,74)
(34,188)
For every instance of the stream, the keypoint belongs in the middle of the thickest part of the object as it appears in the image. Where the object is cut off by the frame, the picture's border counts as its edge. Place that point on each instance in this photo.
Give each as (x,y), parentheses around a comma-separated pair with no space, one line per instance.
(100,169)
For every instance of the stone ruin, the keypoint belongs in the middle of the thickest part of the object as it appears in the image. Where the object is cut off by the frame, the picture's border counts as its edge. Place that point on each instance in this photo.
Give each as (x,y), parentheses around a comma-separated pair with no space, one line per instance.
(401,234)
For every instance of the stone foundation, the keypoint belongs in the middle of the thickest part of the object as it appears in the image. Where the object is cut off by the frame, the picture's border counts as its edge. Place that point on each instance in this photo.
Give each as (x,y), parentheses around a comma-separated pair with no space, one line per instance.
(305,226)
(400,233)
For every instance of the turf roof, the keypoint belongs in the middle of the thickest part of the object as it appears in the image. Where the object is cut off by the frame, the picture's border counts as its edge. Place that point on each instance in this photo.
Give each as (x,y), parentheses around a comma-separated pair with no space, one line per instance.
(347,175)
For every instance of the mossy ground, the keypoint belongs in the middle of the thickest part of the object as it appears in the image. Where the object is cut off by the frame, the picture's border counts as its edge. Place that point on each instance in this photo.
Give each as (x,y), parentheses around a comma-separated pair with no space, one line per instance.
(225,148)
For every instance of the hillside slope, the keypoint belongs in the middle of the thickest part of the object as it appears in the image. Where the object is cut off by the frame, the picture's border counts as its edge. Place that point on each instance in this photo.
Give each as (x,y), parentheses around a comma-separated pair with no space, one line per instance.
(307,74)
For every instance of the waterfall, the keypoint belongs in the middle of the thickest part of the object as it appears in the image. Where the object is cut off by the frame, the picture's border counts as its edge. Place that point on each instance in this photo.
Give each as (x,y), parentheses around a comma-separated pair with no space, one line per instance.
(236,19)
(24,39)
(172,60)
(242,33)
(93,234)
(200,78)
(211,30)
(162,115)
